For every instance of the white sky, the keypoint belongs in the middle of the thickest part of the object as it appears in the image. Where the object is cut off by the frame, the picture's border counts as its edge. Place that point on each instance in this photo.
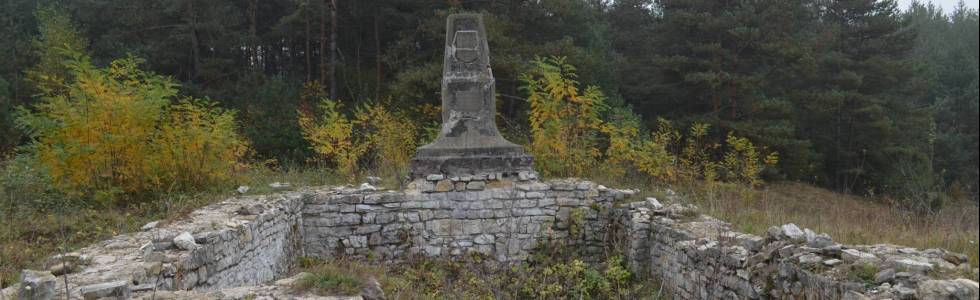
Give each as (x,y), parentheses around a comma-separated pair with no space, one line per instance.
(947,5)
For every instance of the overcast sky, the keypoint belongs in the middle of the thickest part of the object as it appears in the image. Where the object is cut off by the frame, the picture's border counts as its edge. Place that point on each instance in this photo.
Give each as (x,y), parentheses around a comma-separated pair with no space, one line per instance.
(947,5)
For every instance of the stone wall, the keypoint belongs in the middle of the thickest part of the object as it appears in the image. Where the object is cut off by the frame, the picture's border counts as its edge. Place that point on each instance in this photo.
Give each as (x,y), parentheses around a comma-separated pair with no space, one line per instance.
(698,257)
(257,248)
(253,240)
(241,241)
(241,245)
(455,216)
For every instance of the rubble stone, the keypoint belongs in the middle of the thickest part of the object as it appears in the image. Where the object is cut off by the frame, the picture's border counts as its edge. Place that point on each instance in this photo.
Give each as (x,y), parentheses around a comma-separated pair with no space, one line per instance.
(36,285)
(109,290)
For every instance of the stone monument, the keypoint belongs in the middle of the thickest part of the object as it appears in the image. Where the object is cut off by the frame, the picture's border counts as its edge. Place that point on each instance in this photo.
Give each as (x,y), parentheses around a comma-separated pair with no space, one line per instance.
(469,142)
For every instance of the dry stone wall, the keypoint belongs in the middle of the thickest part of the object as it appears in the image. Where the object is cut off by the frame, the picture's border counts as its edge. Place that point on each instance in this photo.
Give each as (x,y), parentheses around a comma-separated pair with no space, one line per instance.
(502,219)
(257,247)
(253,240)
(238,248)
(240,241)
(699,257)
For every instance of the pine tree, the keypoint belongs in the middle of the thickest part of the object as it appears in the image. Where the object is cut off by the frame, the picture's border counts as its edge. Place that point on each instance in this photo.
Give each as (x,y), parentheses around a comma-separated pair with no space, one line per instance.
(861,109)
(732,64)
(947,46)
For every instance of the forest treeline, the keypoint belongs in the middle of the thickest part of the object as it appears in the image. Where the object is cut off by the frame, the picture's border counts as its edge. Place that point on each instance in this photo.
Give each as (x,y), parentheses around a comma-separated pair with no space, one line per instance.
(860,96)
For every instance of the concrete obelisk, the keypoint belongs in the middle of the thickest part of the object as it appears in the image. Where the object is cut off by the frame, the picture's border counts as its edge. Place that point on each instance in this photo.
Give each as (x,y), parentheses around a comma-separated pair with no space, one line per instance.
(469,142)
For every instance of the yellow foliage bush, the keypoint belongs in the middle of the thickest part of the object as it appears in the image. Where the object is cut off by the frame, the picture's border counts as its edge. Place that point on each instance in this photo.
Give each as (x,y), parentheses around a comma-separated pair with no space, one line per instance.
(742,162)
(390,139)
(391,136)
(565,122)
(197,145)
(568,135)
(115,130)
(696,161)
(654,157)
(332,137)
(621,151)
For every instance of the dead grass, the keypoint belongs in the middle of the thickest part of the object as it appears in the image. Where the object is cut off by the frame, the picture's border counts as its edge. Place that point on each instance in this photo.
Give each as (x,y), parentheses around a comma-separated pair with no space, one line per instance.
(848,219)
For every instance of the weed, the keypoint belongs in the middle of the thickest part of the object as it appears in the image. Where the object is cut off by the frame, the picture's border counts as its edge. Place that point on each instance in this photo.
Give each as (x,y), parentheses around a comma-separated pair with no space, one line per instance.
(331,279)
(862,273)
(553,270)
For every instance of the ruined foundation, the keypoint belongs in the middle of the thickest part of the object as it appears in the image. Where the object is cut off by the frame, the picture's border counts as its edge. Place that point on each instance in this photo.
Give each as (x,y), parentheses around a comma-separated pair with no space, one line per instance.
(243,245)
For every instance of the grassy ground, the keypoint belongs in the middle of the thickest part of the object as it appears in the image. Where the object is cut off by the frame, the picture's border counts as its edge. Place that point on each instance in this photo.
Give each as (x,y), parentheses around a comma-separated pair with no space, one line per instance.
(475,277)
(848,219)
(27,238)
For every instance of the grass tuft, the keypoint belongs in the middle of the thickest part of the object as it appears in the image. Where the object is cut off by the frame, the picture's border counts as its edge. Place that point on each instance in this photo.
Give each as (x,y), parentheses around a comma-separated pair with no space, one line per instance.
(331,279)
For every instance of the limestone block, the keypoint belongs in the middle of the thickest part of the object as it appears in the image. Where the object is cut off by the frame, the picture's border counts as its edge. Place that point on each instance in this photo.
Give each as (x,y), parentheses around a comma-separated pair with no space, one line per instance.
(959,289)
(792,232)
(853,255)
(911,265)
(534,195)
(36,285)
(185,241)
(476,185)
(109,290)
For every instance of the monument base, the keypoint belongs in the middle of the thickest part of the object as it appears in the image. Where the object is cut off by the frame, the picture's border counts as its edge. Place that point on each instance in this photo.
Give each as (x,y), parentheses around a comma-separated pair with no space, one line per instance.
(462,162)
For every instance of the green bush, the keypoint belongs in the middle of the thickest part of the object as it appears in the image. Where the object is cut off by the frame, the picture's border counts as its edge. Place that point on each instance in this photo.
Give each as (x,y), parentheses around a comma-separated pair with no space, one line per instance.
(25,187)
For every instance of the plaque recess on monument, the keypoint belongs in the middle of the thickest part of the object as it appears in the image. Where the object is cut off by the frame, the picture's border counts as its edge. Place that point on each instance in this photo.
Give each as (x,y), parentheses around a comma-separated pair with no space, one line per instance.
(469,142)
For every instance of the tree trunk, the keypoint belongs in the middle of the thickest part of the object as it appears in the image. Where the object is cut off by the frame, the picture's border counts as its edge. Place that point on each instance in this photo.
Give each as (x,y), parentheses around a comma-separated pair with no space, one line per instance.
(253,7)
(195,42)
(13,60)
(323,42)
(306,17)
(333,49)
(377,61)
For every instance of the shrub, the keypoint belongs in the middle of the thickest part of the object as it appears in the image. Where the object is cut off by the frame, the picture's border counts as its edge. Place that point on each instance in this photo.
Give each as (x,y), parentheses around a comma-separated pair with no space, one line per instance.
(391,137)
(331,136)
(23,186)
(198,145)
(568,136)
(564,121)
(742,162)
(654,156)
(386,140)
(120,130)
